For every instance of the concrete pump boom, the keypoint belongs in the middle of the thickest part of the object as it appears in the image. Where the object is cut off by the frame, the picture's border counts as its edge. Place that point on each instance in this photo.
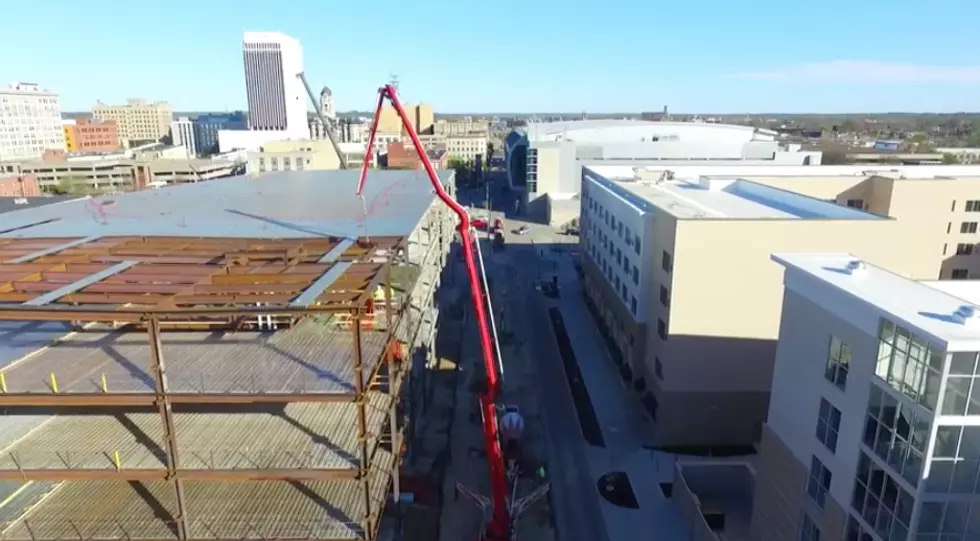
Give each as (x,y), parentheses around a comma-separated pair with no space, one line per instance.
(500,525)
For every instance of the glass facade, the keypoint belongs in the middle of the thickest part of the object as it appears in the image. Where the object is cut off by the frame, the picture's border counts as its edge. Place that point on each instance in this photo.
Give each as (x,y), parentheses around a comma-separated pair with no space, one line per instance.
(898,436)
(909,364)
(881,501)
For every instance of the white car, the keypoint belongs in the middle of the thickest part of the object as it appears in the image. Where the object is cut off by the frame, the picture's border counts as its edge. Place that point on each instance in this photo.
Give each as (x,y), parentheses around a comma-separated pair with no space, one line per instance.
(522,230)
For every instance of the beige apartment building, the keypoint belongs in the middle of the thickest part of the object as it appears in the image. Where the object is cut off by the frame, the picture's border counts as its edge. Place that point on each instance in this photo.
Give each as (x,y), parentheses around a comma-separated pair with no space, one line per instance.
(137,120)
(422,117)
(303,156)
(940,215)
(680,275)
(466,147)
(465,126)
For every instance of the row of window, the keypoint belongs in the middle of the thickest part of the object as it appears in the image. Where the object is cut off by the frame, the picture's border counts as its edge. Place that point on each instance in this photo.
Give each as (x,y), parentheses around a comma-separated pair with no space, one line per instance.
(631,239)
(972,205)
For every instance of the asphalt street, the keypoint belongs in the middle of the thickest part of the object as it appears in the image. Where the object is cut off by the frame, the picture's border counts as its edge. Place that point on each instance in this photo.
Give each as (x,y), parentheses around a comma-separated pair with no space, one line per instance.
(579,511)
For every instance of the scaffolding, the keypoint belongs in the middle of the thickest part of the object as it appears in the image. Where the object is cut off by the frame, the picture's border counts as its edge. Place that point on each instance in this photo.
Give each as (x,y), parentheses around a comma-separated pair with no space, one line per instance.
(204,388)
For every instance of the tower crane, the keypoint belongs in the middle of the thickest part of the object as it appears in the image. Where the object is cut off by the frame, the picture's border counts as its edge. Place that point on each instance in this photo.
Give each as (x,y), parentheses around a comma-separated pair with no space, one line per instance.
(503,507)
(327,125)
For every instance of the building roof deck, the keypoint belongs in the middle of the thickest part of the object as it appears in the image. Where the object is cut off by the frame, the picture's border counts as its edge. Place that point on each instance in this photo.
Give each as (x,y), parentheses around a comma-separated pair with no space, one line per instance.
(297,436)
(918,305)
(311,358)
(717,198)
(109,510)
(177,272)
(277,204)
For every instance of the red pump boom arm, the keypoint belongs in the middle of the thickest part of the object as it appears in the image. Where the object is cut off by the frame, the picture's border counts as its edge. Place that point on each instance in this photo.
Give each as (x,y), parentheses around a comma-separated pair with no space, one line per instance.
(500,524)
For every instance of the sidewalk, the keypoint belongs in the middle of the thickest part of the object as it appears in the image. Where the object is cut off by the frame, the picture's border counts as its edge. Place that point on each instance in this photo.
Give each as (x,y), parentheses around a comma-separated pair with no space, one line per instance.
(625,427)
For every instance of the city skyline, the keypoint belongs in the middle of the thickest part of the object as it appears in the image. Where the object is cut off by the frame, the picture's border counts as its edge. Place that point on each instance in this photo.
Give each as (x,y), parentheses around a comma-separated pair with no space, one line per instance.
(719,58)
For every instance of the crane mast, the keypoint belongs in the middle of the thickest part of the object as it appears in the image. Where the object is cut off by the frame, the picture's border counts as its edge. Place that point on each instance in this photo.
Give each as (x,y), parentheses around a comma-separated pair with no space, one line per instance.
(502,507)
(327,125)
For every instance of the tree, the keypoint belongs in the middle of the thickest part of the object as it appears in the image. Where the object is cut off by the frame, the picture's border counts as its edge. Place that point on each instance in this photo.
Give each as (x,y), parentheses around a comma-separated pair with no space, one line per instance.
(833,157)
(490,150)
(950,159)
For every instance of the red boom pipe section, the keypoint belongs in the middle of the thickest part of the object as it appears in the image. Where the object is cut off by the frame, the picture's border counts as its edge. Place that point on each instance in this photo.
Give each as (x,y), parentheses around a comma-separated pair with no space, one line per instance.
(500,523)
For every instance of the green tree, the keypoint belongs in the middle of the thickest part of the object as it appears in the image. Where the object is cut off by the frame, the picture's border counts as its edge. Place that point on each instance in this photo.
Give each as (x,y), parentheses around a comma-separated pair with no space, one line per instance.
(833,157)
(490,150)
(950,159)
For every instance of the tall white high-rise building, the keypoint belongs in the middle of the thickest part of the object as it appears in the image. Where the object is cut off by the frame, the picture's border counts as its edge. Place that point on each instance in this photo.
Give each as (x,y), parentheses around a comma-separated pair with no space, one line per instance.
(276,97)
(182,134)
(31,117)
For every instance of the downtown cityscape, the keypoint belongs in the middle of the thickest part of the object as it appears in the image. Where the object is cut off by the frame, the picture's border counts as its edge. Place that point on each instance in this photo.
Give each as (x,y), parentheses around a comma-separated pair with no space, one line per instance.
(311,320)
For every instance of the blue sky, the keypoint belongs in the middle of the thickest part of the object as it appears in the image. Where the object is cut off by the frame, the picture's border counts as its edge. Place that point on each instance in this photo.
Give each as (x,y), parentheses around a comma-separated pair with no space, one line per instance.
(705,56)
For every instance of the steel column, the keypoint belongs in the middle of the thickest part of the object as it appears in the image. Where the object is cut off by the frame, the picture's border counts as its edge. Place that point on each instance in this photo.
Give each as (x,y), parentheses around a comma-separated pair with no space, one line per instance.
(389,309)
(166,414)
(362,435)
(396,443)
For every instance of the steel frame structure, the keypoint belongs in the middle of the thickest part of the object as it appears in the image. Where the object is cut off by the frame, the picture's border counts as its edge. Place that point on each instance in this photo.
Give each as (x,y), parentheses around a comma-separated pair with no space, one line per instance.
(206,282)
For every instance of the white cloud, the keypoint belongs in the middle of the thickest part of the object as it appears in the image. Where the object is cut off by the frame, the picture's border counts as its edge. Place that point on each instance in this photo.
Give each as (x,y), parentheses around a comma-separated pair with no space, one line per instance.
(867,71)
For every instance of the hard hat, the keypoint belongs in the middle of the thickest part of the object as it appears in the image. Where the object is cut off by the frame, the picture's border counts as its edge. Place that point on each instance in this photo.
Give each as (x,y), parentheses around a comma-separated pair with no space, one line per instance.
(512,424)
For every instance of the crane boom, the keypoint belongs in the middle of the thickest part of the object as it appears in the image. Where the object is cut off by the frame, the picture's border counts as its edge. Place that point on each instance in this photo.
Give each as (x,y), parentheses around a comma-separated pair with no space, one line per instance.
(327,125)
(500,525)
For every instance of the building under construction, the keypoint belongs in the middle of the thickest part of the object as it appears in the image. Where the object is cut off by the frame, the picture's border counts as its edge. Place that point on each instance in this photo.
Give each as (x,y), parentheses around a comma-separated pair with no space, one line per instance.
(223,360)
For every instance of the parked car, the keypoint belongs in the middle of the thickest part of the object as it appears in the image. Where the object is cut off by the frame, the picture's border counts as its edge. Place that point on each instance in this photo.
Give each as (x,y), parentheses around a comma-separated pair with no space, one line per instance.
(522,230)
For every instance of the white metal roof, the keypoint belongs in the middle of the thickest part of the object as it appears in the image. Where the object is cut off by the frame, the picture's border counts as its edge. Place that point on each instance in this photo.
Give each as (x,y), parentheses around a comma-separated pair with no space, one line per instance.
(917,304)
(719,198)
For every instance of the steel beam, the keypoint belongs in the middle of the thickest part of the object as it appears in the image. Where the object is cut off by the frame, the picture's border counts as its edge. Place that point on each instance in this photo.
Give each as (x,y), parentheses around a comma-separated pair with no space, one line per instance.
(158,367)
(337,251)
(207,475)
(69,399)
(309,296)
(126,314)
(68,289)
(53,250)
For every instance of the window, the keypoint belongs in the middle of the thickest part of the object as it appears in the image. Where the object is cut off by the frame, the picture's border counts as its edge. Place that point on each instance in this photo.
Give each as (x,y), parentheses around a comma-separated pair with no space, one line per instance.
(636,275)
(636,246)
(968,227)
(896,433)
(828,425)
(620,228)
(633,305)
(808,530)
(959,274)
(818,482)
(667,262)
(973,206)
(661,329)
(855,203)
(838,363)
(880,500)
(964,248)
(626,264)
(909,363)
(664,296)
(658,368)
